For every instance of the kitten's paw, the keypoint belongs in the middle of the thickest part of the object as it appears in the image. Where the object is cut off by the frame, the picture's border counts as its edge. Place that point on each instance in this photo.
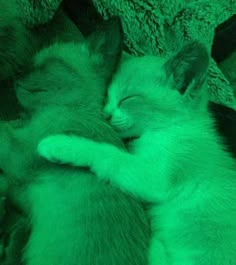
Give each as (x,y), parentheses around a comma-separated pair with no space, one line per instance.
(55,149)
(64,149)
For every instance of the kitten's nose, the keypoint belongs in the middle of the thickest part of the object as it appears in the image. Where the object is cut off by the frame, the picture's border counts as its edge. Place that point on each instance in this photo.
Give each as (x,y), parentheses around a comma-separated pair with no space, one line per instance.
(107,116)
(107,113)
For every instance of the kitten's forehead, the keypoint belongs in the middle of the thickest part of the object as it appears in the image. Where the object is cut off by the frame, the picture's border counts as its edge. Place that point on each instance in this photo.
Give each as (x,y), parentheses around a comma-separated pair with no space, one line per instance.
(141,66)
(136,75)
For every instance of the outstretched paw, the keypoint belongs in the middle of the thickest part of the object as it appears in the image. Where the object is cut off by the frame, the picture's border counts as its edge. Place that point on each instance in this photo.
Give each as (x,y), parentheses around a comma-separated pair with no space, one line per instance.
(64,149)
(55,148)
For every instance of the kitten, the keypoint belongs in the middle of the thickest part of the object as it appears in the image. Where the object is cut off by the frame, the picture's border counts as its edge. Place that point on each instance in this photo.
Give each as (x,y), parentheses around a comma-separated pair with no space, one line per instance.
(74,218)
(176,161)
(19,43)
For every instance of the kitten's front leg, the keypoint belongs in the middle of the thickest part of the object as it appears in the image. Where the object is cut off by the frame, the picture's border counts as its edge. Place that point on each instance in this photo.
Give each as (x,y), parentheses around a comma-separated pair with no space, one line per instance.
(101,158)
(63,149)
(130,173)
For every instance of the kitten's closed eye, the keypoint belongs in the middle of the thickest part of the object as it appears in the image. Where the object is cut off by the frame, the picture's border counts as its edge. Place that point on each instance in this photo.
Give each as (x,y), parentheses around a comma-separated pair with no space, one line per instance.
(19,86)
(128,98)
(35,90)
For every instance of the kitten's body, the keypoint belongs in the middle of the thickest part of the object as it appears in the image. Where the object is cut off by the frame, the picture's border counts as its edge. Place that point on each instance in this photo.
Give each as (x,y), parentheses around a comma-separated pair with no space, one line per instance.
(177,162)
(75,220)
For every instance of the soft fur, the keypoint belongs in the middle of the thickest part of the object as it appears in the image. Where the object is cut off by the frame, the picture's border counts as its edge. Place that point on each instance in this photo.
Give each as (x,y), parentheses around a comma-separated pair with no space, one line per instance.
(176,161)
(75,220)
(19,43)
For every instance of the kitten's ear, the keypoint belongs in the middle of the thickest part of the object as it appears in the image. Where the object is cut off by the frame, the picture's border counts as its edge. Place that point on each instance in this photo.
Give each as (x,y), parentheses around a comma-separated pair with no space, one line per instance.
(105,45)
(188,68)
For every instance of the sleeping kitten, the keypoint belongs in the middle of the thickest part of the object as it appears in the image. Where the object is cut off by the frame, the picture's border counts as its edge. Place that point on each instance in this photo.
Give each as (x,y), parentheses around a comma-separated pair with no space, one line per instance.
(18,44)
(176,162)
(75,219)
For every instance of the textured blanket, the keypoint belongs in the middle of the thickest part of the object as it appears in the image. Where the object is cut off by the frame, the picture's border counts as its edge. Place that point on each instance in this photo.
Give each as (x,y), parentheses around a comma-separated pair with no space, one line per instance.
(160,27)
(38,12)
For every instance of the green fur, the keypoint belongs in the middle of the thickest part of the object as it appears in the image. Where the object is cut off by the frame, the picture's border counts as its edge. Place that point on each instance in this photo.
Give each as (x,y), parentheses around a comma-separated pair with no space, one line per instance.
(75,219)
(176,162)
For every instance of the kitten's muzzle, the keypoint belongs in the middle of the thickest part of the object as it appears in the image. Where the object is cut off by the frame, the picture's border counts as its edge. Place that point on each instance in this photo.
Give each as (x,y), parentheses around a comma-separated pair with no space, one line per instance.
(107,117)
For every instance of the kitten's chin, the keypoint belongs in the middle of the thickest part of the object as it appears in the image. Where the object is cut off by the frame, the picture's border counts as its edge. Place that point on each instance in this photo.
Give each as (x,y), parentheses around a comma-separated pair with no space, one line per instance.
(126,133)
(127,141)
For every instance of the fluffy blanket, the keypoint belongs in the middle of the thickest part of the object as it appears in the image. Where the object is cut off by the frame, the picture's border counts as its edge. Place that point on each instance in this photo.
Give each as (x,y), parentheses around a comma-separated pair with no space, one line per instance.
(159,27)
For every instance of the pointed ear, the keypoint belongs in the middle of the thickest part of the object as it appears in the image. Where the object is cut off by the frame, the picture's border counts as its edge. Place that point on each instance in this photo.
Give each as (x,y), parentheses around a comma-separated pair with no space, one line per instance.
(188,68)
(105,46)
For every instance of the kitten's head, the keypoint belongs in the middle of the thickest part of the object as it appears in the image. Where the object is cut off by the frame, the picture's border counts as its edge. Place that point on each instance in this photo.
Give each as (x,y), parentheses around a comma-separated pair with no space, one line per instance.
(72,73)
(152,93)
